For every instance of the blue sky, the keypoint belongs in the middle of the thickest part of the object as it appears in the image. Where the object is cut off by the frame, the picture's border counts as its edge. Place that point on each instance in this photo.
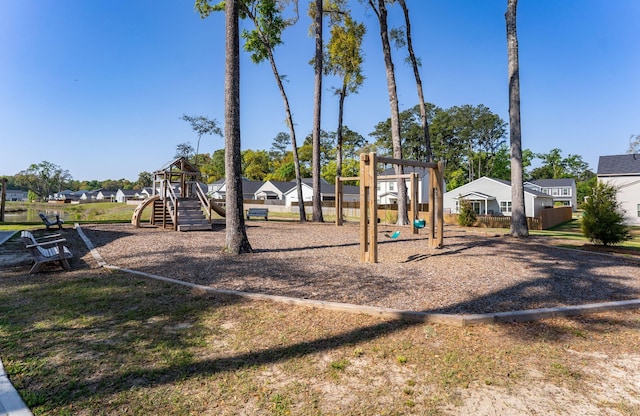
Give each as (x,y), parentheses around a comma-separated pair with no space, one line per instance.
(98,87)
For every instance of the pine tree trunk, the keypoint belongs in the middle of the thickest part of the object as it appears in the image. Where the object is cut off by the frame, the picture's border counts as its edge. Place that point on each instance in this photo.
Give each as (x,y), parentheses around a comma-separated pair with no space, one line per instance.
(381,12)
(428,154)
(317,99)
(236,237)
(292,131)
(518,214)
(339,138)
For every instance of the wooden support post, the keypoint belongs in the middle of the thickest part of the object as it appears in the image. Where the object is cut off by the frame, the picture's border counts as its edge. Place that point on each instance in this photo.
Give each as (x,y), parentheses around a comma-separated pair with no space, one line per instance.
(414,202)
(432,206)
(368,209)
(440,209)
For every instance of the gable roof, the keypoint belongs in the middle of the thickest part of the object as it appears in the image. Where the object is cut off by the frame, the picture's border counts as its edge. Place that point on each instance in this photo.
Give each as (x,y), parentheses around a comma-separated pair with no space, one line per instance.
(282,186)
(548,183)
(128,192)
(407,170)
(503,182)
(475,194)
(628,164)
(249,186)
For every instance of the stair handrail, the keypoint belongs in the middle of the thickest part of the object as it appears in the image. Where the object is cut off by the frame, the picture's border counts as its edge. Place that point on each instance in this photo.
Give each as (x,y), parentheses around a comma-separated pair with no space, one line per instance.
(204,201)
(173,199)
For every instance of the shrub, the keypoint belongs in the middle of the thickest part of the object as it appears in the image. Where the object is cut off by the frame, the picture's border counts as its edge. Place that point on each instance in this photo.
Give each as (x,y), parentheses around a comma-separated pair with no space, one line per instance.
(603,219)
(467,216)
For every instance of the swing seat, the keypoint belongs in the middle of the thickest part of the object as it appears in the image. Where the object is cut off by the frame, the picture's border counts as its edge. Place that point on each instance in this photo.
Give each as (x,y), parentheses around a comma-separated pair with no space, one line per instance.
(419,223)
(396,234)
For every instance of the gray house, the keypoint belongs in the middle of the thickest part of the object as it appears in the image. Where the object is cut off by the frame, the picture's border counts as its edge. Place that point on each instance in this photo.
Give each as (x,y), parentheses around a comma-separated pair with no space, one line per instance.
(493,197)
(563,190)
(16,195)
(623,172)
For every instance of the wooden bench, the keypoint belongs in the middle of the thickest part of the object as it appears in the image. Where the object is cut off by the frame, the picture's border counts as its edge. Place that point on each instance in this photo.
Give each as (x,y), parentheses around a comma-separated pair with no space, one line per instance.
(48,249)
(258,212)
(49,223)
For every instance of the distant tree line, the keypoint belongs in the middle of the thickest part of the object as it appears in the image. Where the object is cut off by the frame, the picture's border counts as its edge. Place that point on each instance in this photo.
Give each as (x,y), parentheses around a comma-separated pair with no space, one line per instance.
(471,140)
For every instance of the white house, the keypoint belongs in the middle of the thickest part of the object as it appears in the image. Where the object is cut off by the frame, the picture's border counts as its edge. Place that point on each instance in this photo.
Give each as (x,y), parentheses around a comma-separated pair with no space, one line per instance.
(563,190)
(123,195)
(350,193)
(273,190)
(387,188)
(623,172)
(213,189)
(106,195)
(493,197)
(89,195)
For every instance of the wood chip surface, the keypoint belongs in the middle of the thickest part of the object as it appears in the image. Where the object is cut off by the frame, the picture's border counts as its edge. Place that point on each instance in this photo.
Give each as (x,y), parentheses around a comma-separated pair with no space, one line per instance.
(473,273)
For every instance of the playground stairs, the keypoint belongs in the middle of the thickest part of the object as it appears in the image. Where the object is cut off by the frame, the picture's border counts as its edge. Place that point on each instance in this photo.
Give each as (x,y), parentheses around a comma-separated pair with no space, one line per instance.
(190,215)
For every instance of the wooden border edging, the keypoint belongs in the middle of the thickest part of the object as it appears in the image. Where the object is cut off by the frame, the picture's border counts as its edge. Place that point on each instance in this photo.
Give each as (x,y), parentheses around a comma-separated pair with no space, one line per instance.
(310,303)
(90,246)
(405,315)
(543,313)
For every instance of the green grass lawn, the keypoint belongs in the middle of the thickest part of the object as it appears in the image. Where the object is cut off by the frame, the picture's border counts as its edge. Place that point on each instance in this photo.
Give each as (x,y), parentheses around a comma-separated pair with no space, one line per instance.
(571,231)
(106,343)
(98,212)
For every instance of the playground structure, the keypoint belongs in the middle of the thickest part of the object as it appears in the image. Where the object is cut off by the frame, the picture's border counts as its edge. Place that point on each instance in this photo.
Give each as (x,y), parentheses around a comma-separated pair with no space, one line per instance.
(178,202)
(369,202)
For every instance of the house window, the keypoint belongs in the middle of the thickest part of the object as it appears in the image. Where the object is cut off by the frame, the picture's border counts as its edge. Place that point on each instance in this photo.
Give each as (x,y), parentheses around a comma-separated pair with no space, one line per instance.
(392,186)
(566,192)
(505,206)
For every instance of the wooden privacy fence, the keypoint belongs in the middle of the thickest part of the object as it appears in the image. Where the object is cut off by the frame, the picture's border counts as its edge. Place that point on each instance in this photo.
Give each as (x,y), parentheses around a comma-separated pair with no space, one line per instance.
(549,217)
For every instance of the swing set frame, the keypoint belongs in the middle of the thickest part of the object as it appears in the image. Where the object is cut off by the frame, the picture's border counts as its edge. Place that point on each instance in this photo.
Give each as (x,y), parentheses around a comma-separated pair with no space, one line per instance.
(369,202)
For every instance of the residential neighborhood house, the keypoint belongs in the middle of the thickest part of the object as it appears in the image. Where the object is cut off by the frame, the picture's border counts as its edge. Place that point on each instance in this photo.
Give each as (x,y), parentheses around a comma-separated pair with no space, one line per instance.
(327,192)
(218,189)
(563,190)
(387,187)
(493,197)
(16,195)
(273,190)
(623,172)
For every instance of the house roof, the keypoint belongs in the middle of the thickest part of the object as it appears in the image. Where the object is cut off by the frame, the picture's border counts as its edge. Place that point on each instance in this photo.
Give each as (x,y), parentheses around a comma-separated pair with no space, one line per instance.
(548,183)
(506,183)
(128,192)
(619,165)
(250,187)
(282,186)
(406,169)
(350,189)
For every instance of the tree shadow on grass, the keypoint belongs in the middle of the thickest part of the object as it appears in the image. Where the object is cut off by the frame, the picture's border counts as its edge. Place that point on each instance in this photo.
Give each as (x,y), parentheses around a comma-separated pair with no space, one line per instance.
(563,278)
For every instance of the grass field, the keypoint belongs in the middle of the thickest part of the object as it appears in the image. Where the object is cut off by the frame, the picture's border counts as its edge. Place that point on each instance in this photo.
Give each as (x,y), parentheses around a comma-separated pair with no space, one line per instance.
(105,343)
